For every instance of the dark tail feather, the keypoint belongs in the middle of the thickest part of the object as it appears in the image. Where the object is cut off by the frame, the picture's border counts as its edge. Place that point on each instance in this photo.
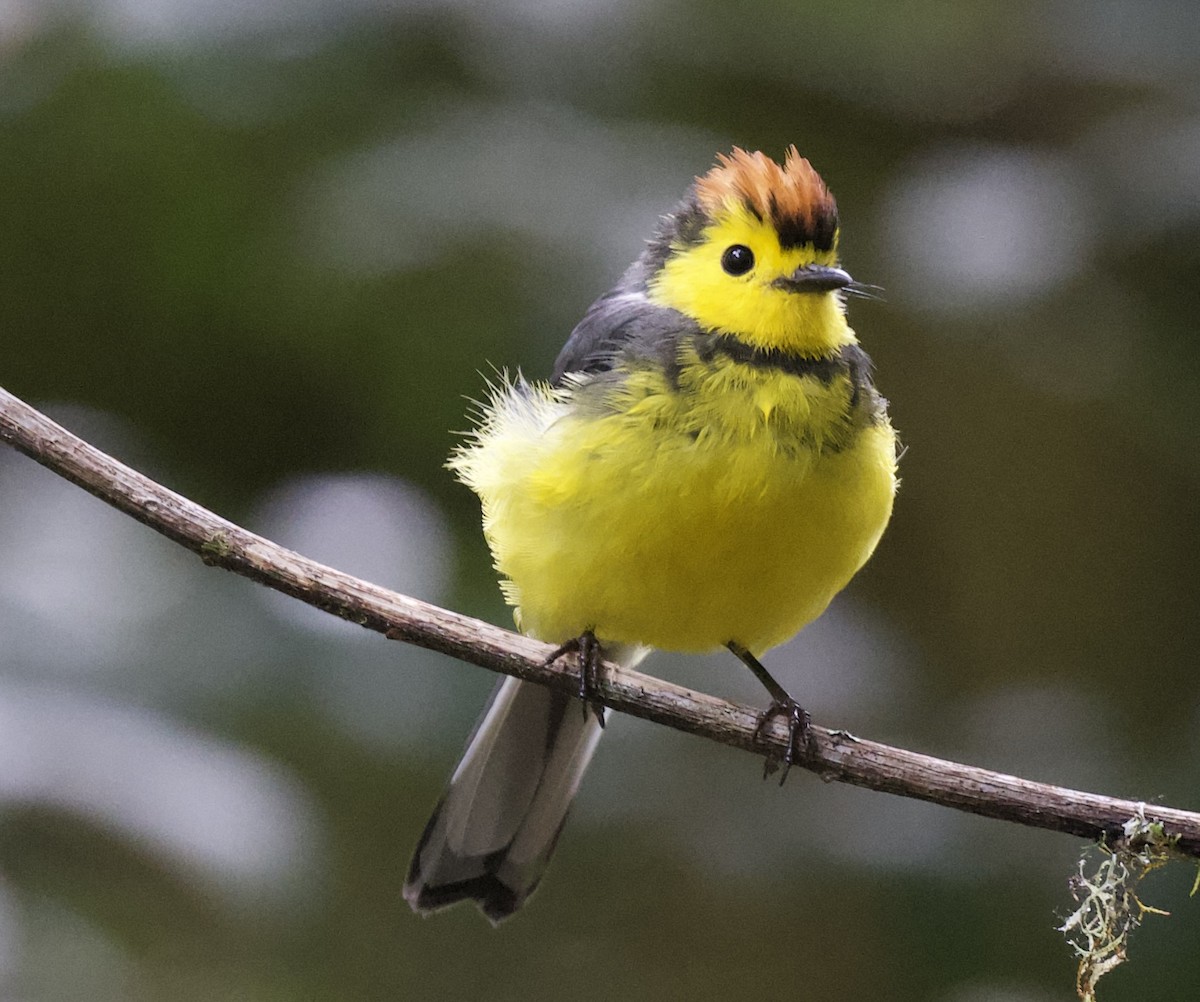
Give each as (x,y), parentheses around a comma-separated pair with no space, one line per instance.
(494,830)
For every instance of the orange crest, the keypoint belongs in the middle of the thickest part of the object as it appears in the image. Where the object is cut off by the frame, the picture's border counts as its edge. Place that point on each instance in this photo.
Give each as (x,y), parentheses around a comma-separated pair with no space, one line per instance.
(793,197)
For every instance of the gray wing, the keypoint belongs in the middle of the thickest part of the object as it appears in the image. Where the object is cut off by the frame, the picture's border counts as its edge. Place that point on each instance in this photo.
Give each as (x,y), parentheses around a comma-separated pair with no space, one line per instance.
(623,326)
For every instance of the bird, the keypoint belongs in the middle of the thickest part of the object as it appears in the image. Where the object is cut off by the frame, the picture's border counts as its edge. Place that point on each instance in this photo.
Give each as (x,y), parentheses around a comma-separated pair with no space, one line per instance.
(709,464)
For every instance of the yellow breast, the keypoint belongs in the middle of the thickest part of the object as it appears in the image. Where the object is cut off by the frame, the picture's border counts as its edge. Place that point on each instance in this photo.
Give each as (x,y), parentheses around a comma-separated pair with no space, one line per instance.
(731,507)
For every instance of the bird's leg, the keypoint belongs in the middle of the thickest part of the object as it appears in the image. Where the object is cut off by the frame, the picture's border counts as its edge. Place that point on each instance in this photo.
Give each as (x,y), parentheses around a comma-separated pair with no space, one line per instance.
(590,658)
(782,704)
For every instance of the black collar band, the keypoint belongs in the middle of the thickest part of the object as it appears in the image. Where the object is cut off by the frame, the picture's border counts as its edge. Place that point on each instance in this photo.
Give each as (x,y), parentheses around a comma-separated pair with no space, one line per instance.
(822,367)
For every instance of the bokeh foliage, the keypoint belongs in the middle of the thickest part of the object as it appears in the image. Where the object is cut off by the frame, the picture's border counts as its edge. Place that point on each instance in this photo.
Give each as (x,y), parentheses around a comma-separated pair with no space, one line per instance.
(281,242)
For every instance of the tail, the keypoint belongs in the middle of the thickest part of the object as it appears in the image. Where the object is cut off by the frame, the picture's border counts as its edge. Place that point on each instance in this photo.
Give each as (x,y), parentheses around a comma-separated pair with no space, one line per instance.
(495,827)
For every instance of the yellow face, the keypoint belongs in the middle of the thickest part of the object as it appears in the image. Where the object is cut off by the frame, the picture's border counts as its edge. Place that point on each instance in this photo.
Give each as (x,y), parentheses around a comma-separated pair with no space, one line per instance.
(711,283)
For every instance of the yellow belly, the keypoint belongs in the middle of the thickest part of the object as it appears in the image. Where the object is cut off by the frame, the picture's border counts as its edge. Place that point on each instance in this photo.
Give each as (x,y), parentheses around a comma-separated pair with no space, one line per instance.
(647,536)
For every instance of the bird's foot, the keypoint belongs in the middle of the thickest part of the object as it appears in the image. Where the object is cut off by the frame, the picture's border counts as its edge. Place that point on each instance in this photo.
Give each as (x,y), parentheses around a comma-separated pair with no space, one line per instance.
(799,725)
(591,656)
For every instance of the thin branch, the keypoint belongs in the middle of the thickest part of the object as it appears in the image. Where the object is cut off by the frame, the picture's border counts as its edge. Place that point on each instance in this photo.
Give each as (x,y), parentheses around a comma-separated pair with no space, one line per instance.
(833,755)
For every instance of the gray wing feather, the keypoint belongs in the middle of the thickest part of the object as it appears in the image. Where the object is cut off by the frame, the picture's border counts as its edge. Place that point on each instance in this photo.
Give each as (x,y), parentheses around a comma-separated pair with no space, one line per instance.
(623,326)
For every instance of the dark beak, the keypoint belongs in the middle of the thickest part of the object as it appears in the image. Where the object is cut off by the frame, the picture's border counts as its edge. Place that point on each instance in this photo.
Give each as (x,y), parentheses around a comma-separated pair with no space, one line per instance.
(814,278)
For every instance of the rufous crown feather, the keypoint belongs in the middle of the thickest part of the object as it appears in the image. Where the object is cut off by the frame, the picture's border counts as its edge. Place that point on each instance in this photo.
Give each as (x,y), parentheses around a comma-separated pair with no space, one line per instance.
(792,196)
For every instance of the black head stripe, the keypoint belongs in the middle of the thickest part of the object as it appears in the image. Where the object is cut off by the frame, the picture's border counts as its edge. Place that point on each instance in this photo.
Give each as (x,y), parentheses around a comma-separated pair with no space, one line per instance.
(818,229)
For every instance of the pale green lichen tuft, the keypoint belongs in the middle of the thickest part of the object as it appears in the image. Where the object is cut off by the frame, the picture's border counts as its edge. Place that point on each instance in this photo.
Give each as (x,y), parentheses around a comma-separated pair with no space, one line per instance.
(216,548)
(1105,889)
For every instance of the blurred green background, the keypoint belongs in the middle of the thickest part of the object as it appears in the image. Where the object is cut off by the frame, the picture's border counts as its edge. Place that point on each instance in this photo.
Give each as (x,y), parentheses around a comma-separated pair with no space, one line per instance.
(263,250)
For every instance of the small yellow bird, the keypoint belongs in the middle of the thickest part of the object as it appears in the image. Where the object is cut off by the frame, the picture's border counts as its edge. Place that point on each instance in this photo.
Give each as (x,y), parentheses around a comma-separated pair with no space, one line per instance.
(709,465)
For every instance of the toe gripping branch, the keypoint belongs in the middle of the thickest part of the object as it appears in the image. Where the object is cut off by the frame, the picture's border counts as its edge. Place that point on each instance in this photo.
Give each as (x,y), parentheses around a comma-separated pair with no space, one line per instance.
(799,723)
(591,656)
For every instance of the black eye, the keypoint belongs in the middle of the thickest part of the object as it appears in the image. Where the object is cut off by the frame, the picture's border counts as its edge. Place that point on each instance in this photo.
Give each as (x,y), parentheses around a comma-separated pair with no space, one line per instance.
(738,259)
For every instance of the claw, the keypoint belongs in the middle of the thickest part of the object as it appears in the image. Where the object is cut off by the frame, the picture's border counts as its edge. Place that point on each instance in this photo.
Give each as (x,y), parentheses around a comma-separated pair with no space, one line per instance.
(799,722)
(590,658)
(799,728)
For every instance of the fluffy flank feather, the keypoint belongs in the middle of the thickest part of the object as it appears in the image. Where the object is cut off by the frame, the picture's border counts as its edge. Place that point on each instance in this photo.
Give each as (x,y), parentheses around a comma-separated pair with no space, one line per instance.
(514,415)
